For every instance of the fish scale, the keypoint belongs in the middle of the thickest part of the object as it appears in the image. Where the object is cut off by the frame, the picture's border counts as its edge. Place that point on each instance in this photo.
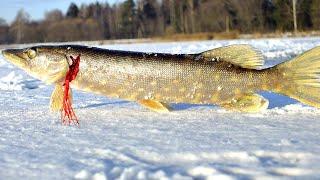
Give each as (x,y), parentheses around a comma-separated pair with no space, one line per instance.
(169,72)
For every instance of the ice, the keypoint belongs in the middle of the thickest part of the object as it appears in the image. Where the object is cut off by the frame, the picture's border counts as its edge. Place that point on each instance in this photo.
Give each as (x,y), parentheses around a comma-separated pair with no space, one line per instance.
(122,140)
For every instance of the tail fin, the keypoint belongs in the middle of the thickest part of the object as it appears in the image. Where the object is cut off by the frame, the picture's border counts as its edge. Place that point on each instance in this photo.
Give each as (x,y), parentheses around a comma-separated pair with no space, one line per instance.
(301,77)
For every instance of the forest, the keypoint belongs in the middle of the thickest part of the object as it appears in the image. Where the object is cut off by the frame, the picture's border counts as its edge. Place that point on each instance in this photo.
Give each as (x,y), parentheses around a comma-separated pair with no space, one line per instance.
(155,18)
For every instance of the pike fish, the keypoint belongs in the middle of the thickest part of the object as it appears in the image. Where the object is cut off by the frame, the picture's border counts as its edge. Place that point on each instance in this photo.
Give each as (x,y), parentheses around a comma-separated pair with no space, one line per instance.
(229,76)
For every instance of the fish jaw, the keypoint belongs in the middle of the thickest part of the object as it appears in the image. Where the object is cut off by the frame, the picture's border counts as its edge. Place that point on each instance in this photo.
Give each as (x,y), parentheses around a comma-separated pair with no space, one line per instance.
(43,63)
(16,57)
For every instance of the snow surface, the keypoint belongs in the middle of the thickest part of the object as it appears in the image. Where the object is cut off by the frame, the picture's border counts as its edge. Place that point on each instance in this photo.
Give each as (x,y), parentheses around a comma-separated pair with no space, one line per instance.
(120,139)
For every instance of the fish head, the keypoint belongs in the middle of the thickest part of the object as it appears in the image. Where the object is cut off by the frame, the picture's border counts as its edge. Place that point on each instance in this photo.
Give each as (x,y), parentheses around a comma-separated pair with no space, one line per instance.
(47,63)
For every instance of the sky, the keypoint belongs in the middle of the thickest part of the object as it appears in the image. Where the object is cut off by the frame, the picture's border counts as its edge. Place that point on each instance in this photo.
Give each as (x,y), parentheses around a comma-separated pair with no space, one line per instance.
(37,8)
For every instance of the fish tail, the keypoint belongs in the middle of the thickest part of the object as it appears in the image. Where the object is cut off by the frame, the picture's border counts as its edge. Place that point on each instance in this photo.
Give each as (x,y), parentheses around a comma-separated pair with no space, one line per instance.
(299,78)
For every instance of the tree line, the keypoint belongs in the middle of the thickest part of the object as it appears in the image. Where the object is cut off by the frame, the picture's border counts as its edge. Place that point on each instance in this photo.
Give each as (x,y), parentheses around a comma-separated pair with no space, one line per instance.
(149,18)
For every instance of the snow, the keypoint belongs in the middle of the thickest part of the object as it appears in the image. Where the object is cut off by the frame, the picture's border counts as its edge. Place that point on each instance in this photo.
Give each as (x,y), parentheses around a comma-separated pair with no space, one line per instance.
(120,139)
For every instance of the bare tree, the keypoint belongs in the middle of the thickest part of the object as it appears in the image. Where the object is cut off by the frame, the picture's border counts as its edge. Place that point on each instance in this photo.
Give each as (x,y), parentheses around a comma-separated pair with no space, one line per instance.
(54,15)
(315,14)
(18,26)
(4,28)
(294,10)
(3,22)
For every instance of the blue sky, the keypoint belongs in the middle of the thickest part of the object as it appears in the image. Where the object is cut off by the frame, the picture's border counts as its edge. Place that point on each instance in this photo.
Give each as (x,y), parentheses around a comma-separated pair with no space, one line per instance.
(37,8)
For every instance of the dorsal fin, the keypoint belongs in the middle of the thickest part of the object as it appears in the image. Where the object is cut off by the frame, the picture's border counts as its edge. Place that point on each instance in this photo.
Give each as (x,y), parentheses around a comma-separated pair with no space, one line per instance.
(241,55)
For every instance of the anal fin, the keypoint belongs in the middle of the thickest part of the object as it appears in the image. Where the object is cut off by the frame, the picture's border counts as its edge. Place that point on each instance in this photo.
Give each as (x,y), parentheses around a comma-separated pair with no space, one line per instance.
(250,103)
(154,105)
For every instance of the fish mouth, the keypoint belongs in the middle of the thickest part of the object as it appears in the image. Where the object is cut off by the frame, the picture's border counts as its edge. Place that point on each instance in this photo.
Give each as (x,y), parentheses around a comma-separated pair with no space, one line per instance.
(15,56)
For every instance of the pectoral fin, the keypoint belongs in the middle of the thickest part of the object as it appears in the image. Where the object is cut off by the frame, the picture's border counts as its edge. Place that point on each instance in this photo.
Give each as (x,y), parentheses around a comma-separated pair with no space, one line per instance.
(247,103)
(154,105)
(56,100)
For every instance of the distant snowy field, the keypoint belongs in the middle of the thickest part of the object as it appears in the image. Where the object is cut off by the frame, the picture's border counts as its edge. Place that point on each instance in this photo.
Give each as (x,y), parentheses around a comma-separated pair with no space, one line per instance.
(120,139)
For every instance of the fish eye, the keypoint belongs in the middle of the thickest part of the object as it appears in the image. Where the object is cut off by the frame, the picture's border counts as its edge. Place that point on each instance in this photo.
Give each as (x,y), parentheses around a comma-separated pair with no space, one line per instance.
(31,53)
